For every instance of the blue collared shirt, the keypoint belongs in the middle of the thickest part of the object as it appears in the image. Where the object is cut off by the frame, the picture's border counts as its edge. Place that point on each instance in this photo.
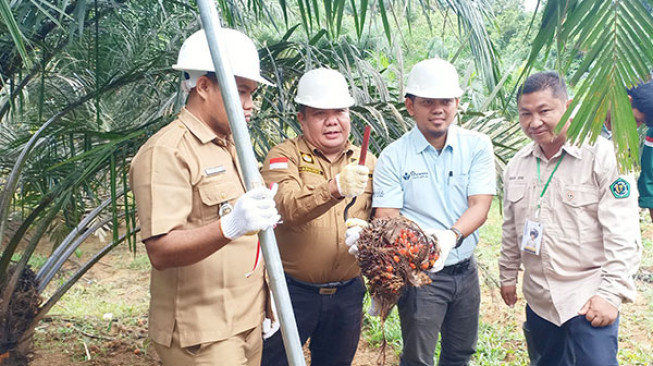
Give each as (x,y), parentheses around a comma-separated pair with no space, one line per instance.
(431,187)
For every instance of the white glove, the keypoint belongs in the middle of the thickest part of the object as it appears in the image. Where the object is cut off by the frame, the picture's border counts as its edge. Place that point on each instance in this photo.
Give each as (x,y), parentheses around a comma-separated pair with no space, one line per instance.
(375,308)
(352,180)
(254,211)
(353,233)
(446,241)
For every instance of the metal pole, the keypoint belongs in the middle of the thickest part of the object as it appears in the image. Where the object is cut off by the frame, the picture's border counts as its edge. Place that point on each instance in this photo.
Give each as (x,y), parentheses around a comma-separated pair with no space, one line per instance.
(249,167)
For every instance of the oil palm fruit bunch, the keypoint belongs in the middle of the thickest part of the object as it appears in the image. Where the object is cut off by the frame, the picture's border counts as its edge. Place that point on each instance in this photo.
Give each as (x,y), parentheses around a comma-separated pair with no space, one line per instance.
(392,253)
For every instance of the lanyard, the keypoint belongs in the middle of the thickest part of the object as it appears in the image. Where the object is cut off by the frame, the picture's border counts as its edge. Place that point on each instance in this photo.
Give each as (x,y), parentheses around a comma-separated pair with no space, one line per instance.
(539,182)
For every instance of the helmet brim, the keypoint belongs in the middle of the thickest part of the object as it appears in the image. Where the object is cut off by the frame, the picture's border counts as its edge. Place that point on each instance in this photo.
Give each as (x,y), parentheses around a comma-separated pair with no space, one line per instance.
(455,93)
(257,78)
(344,103)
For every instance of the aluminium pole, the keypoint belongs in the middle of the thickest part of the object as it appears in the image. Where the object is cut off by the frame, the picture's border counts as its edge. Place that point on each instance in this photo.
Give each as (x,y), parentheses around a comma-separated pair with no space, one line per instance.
(226,82)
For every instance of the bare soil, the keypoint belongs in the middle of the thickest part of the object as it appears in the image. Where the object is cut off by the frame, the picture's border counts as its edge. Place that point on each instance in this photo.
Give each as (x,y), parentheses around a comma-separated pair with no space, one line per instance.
(64,340)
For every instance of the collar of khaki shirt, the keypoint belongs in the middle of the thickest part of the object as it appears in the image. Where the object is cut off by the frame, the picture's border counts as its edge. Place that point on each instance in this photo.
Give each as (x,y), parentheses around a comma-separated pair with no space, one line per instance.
(347,150)
(535,150)
(201,130)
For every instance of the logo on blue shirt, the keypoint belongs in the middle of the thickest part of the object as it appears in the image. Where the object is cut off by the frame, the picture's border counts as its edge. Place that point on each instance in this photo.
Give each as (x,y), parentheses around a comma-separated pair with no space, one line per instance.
(415,175)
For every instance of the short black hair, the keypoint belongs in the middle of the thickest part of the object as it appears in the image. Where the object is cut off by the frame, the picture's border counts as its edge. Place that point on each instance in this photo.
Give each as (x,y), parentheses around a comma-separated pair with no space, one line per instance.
(410,96)
(211,75)
(535,233)
(302,109)
(642,95)
(542,81)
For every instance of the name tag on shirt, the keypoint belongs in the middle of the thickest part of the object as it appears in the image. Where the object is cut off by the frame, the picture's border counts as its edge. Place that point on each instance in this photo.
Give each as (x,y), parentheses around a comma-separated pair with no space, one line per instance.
(532,239)
(215,170)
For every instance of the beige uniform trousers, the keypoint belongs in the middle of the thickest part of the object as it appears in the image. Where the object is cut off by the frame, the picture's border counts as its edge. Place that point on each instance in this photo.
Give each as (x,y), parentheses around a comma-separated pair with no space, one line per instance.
(242,349)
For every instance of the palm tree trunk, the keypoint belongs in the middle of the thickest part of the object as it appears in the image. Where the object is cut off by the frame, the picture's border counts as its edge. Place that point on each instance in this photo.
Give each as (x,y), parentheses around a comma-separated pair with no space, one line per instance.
(19,356)
(17,336)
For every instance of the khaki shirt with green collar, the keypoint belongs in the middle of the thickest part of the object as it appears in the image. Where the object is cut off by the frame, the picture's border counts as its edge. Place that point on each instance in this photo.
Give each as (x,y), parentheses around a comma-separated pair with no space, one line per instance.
(180,179)
(591,242)
(311,239)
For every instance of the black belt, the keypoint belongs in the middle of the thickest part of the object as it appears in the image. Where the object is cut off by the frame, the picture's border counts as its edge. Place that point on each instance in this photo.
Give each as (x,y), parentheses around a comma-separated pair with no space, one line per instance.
(328,288)
(457,268)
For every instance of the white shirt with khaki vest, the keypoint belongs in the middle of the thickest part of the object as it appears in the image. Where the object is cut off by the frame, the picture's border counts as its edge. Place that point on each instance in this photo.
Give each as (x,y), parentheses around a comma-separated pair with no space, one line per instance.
(591,242)
(180,178)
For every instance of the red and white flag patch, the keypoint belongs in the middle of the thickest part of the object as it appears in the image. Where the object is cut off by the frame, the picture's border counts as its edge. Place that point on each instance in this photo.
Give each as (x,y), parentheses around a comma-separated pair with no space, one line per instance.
(649,141)
(279,163)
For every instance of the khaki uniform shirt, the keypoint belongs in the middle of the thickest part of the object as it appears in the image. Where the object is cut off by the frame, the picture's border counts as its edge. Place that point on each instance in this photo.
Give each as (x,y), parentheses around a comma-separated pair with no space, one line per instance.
(591,242)
(180,178)
(311,239)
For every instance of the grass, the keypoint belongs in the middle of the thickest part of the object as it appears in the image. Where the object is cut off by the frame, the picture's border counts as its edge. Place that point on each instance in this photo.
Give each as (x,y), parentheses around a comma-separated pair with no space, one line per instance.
(104,312)
(500,339)
(121,288)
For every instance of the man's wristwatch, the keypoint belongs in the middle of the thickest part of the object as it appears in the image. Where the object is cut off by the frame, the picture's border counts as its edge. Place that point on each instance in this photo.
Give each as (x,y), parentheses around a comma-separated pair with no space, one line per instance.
(459,236)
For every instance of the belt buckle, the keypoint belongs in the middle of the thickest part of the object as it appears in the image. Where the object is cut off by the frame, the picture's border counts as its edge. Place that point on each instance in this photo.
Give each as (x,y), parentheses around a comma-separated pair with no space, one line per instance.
(328,290)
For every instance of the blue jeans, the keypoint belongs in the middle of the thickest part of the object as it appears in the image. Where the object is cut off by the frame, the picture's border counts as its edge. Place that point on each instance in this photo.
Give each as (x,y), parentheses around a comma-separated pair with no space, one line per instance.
(331,321)
(448,306)
(576,342)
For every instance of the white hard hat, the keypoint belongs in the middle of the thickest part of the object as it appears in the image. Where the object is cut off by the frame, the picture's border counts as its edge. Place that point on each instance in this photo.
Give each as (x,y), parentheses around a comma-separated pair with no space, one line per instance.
(323,89)
(195,58)
(434,78)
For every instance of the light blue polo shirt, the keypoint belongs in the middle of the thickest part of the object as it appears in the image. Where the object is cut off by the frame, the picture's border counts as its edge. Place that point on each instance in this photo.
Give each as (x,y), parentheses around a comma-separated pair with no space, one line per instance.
(432,188)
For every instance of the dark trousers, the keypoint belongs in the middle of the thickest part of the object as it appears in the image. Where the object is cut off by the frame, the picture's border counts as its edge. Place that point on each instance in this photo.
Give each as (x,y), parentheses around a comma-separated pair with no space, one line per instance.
(576,342)
(331,321)
(448,306)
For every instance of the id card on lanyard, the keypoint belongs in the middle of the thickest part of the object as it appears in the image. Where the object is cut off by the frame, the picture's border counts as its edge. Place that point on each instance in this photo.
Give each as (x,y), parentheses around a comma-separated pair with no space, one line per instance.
(533,229)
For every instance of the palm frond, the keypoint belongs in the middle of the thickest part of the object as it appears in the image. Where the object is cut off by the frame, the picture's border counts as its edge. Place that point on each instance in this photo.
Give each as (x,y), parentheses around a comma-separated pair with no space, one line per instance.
(14,31)
(606,46)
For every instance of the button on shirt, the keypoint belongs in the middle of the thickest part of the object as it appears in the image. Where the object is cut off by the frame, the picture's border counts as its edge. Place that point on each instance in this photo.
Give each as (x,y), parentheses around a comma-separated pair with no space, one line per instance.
(431,187)
(180,177)
(312,237)
(591,241)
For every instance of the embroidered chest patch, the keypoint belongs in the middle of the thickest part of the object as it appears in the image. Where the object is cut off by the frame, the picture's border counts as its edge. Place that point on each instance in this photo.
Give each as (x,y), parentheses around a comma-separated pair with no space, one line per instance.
(620,188)
(307,158)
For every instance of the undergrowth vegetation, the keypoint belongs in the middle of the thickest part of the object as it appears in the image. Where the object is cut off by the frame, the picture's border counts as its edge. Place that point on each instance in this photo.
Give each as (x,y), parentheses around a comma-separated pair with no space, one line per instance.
(106,312)
(500,339)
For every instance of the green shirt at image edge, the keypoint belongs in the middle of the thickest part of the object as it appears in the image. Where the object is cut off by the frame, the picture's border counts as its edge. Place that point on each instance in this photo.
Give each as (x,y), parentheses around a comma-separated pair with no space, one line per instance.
(645,181)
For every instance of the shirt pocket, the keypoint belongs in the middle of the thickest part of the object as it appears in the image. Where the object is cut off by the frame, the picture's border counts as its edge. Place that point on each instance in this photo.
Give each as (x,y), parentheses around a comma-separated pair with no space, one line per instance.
(580,213)
(214,194)
(456,190)
(311,176)
(459,183)
(515,200)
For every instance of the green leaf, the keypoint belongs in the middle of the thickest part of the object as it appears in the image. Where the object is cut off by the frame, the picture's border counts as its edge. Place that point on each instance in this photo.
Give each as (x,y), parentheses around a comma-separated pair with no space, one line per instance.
(619,50)
(284,10)
(363,16)
(358,26)
(14,31)
(384,19)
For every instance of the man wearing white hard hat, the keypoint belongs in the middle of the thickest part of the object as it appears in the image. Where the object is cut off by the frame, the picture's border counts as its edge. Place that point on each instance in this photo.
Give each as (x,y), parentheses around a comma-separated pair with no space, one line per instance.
(442,177)
(205,308)
(318,175)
